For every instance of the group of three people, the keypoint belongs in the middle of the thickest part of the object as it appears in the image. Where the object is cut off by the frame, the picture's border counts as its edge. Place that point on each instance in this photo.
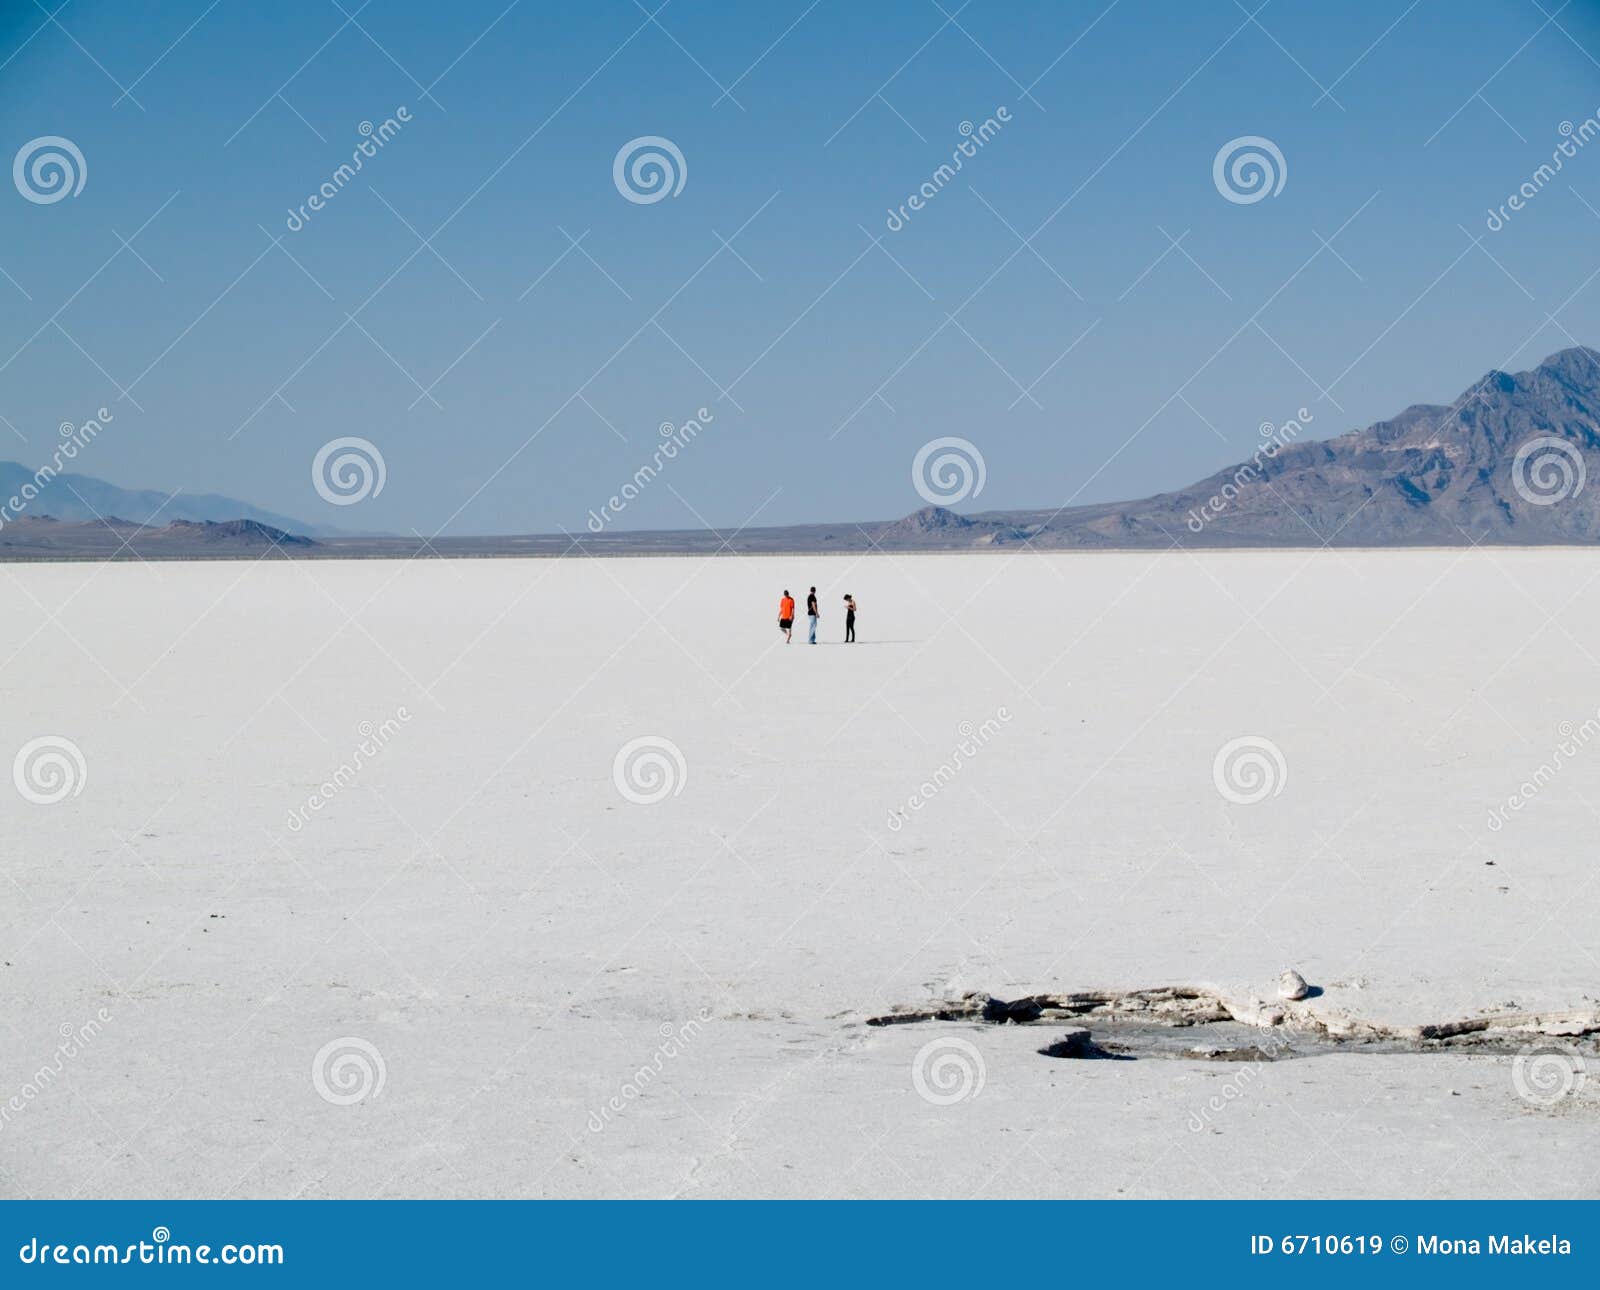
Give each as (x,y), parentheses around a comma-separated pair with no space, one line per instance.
(786,616)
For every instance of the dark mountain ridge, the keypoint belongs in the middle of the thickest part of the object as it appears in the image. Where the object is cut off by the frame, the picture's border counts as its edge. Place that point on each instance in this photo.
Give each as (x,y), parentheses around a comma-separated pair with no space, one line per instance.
(1507,462)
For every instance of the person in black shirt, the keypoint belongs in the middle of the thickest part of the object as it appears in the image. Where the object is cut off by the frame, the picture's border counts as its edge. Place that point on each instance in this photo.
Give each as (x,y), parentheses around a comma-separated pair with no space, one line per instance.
(849,618)
(811,612)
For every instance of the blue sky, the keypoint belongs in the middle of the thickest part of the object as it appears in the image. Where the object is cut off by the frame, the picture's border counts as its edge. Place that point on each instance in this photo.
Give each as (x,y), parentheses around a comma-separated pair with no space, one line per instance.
(827,361)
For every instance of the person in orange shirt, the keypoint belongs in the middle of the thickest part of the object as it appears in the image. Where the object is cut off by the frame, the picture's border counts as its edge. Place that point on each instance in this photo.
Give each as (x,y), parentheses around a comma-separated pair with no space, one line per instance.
(786,616)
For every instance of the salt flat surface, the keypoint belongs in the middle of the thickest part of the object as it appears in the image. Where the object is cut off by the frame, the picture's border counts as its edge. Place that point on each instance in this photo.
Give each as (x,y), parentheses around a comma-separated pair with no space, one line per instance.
(514,938)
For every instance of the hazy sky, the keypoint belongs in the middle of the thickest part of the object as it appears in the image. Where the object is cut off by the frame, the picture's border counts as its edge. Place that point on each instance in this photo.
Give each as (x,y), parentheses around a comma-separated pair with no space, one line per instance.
(513,383)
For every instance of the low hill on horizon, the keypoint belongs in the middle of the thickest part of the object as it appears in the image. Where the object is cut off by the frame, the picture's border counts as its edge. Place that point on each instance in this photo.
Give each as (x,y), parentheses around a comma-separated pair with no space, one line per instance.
(47,538)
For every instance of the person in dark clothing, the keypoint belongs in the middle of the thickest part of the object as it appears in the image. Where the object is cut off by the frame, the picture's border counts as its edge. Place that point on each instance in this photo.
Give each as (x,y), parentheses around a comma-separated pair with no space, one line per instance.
(812,614)
(849,618)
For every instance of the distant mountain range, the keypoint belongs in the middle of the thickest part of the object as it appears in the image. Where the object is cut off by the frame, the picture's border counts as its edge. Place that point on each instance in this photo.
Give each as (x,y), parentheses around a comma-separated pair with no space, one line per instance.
(82,497)
(1507,463)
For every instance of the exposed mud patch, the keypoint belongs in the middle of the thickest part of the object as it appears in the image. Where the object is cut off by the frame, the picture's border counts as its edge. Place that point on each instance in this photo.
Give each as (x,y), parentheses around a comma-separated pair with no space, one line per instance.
(1200,1024)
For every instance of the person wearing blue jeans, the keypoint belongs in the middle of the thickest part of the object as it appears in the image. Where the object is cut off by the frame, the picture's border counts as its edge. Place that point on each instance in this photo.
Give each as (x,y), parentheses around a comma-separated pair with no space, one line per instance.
(812,614)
